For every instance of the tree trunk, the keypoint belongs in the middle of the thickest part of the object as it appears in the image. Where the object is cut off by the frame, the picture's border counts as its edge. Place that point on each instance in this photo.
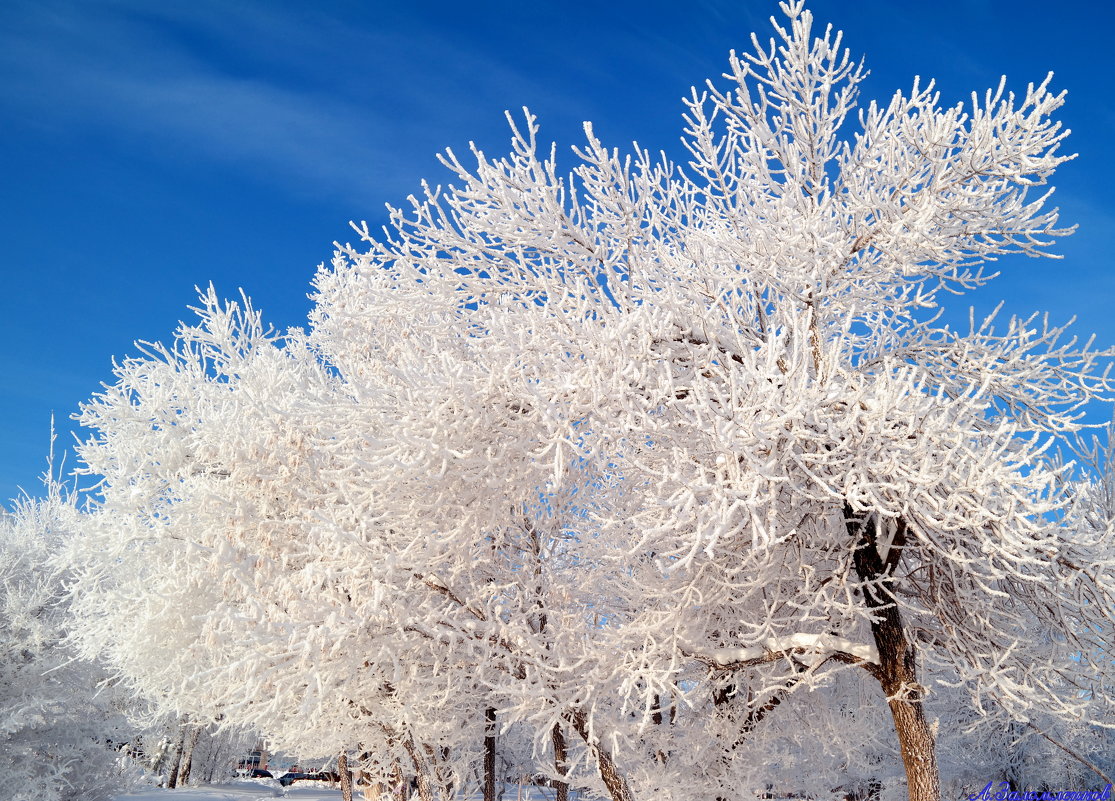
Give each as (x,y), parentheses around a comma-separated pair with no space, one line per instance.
(218,746)
(490,754)
(176,759)
(371,788)
(656,710)
(435,763)
(617,787)
(188,756)
(559,763)
(425,791)
(400,785)
(345,776)
(897,669)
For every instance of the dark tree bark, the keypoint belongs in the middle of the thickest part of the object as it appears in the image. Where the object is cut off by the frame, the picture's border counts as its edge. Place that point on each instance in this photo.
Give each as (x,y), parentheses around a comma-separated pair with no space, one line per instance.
(897,669)
(658,719)
(345,776)
(176,759)
(490,754)
(421,770)
(562,787)
(436,758)
(399,781)
(188,755)
(617,787)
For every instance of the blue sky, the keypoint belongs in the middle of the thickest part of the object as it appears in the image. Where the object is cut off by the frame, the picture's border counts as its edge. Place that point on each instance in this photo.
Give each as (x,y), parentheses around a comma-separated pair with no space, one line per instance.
(150,146)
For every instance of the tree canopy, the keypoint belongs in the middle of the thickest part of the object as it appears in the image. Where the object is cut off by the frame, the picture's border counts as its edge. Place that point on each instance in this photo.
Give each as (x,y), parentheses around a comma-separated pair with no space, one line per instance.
(630,454)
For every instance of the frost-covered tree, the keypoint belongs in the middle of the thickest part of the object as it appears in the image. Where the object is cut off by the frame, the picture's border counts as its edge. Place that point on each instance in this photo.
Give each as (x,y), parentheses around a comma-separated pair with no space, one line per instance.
(197,523)
(291,557)
(801,468)
(636,456)
(61,728)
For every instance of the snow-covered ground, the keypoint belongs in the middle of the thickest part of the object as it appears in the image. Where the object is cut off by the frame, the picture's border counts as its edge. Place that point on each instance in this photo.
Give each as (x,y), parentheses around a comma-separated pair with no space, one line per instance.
(235,791)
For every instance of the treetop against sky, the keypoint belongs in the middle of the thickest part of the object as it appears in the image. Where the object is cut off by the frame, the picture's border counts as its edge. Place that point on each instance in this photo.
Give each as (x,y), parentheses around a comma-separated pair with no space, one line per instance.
(150,148)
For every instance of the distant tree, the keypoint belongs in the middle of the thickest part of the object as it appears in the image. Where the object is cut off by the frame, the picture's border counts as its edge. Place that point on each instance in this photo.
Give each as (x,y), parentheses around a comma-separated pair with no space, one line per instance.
(639,444)
(373,622)
(62,725)
(188,563)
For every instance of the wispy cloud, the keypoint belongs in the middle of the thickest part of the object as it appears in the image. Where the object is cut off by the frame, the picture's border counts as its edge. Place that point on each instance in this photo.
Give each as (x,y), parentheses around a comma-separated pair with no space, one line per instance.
(303,102)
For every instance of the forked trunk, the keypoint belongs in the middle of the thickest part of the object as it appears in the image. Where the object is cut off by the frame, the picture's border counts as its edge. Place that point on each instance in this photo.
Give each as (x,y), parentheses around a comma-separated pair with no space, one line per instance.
(176,759)
(188,755)
(897,669)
